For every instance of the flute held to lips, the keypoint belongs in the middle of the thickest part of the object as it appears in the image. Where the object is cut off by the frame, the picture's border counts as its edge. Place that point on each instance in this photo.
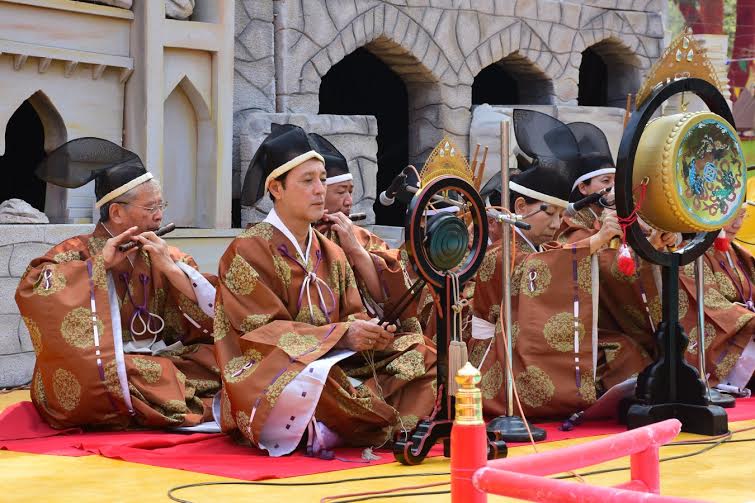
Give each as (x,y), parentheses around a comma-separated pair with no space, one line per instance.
(159,232)
(354,217)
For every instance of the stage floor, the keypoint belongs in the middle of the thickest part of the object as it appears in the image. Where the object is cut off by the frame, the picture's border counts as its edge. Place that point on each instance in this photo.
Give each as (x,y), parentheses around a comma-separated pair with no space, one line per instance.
(723,474)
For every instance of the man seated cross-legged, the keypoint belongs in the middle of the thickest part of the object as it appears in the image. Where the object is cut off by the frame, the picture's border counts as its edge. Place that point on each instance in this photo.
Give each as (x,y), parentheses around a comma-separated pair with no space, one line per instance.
(122,339)
(299,357)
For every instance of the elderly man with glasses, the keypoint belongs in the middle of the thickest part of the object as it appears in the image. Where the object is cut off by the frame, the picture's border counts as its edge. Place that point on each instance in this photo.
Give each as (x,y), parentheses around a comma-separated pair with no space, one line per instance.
(122,338)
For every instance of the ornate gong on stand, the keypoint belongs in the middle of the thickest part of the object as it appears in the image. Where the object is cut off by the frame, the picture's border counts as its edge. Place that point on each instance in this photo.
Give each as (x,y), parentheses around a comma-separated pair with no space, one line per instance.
(670,387)
(441,254)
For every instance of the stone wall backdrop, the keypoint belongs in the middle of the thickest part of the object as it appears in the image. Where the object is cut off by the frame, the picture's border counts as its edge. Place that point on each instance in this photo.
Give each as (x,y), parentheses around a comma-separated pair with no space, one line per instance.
(445,53)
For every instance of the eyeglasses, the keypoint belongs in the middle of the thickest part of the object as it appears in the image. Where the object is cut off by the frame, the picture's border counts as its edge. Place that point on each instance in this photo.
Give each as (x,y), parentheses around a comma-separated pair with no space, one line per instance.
(150,209)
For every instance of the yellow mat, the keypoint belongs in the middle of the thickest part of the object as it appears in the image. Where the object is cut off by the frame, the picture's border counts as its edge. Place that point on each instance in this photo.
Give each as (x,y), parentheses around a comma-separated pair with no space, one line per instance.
(724,474)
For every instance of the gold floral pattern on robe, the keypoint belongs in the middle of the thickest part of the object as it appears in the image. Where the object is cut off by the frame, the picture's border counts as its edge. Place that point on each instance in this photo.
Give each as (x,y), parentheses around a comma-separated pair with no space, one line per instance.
(252,321)
(404,342)
(34,333)
(587,388)
(743,320)
(656,306)
(96,244)
(492,380)
(725,286)
(282,270)
(709,278)
(76,328)
(296,345)
(710,334)
(411,325)
(66,388)
(204,386)
(38,388)
(354,404)
(584,275)
(67,256)
(241,277)
(191,308)
(262,230)
(240,367)
(713,299)
(542,277)
(485,272)
(408,366)
(221,325)
(559,332)
(50,281)
(725,365)
(99,274)
(275,389)
(112,383)
(149,370)
(535,387)
(314,317)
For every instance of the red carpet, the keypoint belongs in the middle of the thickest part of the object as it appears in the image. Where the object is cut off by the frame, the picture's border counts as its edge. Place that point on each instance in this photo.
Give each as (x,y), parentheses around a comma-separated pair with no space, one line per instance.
(22,430)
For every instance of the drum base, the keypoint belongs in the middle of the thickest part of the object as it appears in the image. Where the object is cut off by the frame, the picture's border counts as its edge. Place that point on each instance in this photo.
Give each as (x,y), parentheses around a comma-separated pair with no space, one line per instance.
(700,419)
(670,387)
(513,429)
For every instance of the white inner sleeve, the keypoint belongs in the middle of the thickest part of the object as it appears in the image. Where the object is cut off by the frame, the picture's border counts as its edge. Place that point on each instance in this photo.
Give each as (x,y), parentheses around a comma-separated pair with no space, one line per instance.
(482,329)
(146,347)
(203,289)
(741,374)
(296,405)
(115,323)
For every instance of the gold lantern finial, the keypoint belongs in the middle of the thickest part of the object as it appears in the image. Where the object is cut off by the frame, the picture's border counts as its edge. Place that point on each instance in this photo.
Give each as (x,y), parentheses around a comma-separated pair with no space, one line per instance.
(445,159)
(683,58)
(468,396)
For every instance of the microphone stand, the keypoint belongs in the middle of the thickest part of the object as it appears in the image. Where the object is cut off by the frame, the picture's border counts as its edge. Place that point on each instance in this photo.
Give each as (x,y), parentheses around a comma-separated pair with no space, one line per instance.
(509,427)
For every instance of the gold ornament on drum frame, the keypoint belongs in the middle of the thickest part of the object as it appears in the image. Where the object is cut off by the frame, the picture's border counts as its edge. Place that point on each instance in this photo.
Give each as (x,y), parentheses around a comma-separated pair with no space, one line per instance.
(684,58)
(446,159)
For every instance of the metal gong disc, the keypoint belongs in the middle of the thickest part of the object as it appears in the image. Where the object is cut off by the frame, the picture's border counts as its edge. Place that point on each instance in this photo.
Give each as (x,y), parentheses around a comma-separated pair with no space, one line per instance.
(447,241)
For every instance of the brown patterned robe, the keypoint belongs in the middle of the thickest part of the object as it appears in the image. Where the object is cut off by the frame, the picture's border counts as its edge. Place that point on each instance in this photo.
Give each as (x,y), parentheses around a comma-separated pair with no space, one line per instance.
(622,309)
(543,332)
(729,327)
(81,371)
(394,272)
(265,337)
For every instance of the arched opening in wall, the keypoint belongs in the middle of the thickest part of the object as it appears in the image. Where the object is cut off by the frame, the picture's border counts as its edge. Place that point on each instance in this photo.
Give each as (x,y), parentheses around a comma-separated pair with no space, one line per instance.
(180,159)
(608,72)
(24,148)
(514,80)
(187,157)
(362,84)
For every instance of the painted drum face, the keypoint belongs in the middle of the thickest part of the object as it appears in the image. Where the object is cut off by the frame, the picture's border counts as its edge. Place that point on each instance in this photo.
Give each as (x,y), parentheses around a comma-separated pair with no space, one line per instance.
(710,173)
(696,171)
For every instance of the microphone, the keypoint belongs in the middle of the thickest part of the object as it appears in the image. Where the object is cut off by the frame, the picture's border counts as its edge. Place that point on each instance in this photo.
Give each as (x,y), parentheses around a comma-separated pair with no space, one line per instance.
(388,196)
(586,201)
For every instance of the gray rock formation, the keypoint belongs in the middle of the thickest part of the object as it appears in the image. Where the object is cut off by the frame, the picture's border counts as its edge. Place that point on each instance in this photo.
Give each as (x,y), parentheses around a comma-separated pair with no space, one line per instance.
(179,9)
(18,211)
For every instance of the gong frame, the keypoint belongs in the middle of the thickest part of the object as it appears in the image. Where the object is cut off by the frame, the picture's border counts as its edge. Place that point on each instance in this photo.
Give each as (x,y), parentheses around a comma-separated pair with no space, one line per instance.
(415,231)
(412,450)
